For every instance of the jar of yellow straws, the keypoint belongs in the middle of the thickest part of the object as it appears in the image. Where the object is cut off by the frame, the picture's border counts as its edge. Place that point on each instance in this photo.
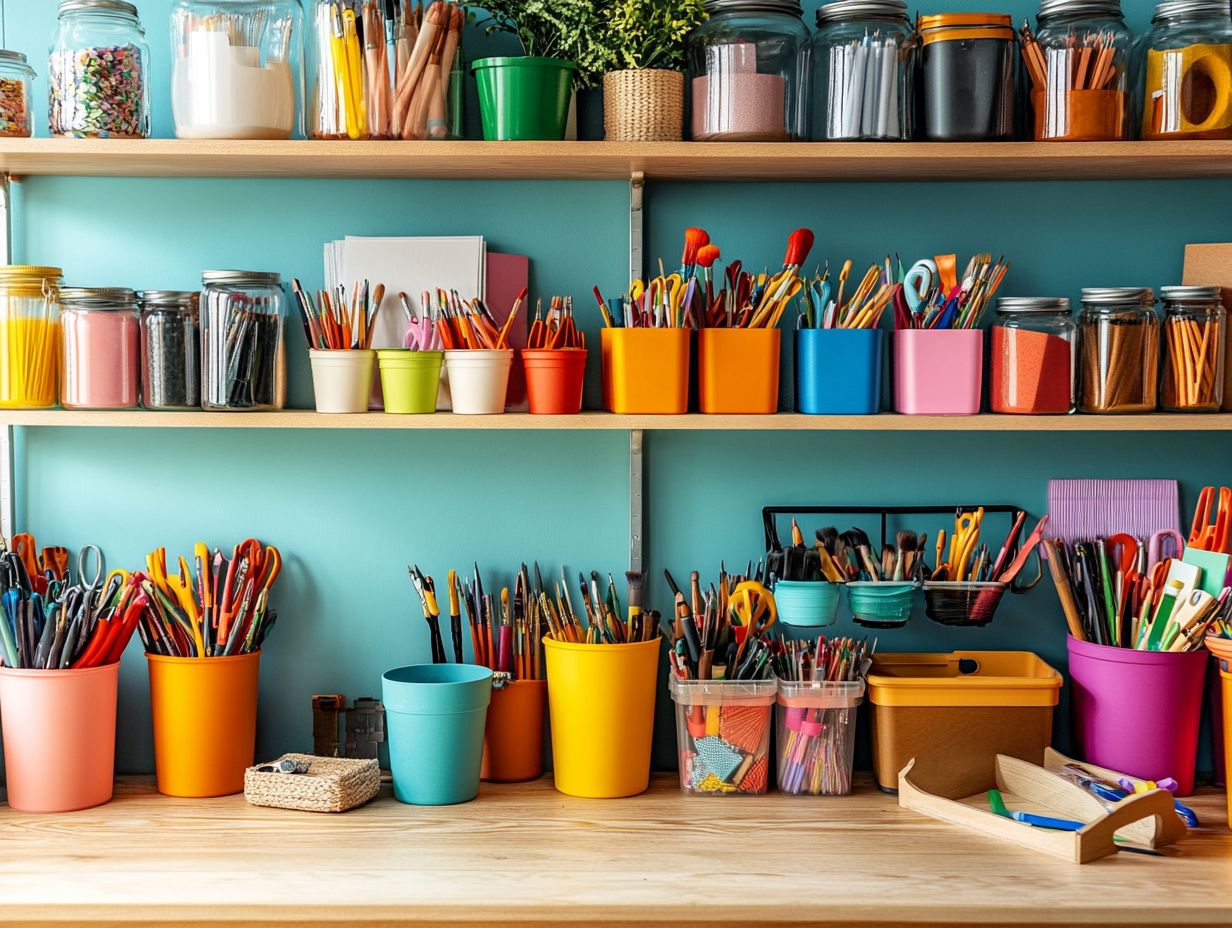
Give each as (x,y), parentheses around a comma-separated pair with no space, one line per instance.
(29,335)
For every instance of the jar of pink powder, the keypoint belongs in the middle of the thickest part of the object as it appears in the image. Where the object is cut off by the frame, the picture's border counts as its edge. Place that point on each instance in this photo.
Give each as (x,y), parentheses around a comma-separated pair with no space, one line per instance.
(102,337)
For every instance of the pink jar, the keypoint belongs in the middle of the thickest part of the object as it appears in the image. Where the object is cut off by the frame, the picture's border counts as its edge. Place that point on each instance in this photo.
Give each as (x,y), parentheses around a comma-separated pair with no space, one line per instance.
(102,337)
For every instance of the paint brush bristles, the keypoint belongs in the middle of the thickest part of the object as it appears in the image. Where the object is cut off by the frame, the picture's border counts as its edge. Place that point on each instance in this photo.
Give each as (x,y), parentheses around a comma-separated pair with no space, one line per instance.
(334,324)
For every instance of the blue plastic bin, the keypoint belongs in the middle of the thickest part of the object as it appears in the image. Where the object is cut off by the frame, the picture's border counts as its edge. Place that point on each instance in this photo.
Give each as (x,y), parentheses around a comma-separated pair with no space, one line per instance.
(838,372)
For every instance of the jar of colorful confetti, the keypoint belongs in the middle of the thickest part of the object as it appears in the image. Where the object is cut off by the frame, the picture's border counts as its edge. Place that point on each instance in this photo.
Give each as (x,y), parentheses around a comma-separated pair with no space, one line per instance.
(723,735)
(15,78)
(96,72)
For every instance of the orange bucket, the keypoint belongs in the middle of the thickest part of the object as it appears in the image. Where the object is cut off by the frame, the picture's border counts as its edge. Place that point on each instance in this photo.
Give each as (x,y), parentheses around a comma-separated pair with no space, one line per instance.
(554,379)
(738,370)
(645,371)
(1222,649)
(513,735)
(205,722)
(59,736)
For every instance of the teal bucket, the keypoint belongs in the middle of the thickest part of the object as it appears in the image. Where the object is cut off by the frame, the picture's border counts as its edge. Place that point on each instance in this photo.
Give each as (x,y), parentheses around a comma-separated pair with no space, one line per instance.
(434,721)
(881,605)
(807,603)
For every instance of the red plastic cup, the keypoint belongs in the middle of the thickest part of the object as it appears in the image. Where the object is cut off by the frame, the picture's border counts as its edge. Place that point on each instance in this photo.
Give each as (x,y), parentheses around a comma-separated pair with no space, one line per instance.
(554,379)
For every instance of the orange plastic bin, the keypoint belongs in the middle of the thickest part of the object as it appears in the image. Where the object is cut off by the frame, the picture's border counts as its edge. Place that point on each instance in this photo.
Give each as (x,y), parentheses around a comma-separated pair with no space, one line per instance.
(738,371)
(645,370)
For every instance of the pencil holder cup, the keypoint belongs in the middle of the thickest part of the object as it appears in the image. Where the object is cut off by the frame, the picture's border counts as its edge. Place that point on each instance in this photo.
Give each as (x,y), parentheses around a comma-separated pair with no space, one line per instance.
(410,380)
(513,736)
(816,736)
(645,371)
(807,603)
(342,380)
(938,372)
(524,98)
(1137,711)
(838,372)
(554,379)
(59,736)
(880,605)
(1079,116)
(478,380)
(723,735)
(738,371)
(601,698)
(205,722)
(434,721)
(962,604)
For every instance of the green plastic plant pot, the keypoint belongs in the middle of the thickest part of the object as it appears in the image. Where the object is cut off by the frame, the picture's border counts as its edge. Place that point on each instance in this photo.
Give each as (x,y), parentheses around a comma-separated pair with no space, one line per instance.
(524,98)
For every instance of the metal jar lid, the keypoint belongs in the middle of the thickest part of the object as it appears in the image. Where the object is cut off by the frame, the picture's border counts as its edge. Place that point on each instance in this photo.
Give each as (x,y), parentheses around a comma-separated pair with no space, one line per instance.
(842,11)
(107,6)
(169,299)
(1190,294)
(1117,296)
(1110,9)
(17,57)
(786,7)
(10,271)
(1033,304)
(241,279)
(98,297)
(1184,9)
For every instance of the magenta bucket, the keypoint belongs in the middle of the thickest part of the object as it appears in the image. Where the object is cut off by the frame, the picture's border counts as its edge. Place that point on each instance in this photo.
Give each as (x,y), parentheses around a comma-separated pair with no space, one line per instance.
(1137,711)
(938,372)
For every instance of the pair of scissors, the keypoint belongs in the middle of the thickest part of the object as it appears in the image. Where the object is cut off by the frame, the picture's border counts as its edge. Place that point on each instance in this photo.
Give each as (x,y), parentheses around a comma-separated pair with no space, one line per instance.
(752,605)
(962,544)
(917,283)
(1127,552)
(1204,535)
(1156,545)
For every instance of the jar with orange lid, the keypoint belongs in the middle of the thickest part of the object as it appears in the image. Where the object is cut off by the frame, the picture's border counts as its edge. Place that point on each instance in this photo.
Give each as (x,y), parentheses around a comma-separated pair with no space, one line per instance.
(967,77)
(29,335)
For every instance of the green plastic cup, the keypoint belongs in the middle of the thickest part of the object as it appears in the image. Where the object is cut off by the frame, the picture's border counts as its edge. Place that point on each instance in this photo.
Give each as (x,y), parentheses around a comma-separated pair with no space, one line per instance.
(524,98)
(410,380)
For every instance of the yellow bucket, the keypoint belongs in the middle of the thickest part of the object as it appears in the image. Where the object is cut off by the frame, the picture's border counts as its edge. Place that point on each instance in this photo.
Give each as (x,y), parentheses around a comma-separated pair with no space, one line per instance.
(602,698)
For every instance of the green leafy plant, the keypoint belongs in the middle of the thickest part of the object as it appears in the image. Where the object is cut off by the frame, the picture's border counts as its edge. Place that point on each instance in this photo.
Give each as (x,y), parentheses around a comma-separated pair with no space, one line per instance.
(568,29)
(650,33)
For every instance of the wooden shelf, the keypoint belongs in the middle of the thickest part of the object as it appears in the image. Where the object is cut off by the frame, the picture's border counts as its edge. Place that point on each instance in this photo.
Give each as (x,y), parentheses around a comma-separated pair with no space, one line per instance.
(684,161)
(523,855)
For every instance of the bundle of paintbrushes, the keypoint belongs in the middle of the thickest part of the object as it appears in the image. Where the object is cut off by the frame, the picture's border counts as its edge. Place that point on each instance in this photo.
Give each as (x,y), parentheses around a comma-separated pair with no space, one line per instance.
(599,622)
(811,563)
(862,310)
(468,325)
(720,634)
(334,324)
(971,561)
(556,330)
(217,608)
(755,302)
(384,69)
(932,296)
(849,556)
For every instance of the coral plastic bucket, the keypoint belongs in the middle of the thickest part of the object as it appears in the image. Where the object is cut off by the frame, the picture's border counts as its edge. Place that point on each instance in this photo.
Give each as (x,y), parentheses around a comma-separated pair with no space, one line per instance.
(838,372)
(479,379)
(513,736)
(1137,711)
(807,603)
(938,372)
(342,380)
(554,380)
(410,380)
(59,736)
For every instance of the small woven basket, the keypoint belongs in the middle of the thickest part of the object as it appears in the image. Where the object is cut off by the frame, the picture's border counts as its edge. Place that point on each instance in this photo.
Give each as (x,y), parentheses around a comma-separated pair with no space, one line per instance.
(643,106)
(332,784)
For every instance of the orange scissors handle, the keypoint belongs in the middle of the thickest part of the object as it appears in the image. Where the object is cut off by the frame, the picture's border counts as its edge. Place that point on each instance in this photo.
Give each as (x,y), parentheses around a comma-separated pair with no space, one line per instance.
(1128,547)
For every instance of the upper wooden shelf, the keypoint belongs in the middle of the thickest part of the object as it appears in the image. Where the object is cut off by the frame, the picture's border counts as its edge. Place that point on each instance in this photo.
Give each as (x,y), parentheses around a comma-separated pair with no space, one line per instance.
(686,161)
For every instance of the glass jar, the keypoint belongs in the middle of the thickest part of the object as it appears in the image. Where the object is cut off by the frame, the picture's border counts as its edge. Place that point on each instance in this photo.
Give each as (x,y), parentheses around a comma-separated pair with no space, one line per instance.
(101,348)
(747,72)
(170,350)
(15,78)
(96,72)
(862,61)
(1033,356)
(237,71)
(1118,338)
(243,358)
(29,335)
(1195,334)
(1077,65)
(1186,71)
(967,77)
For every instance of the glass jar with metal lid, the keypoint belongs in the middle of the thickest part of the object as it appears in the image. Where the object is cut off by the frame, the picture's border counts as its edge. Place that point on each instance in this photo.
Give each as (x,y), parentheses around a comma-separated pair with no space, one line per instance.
(243,358)
(1195,339)
(97,72)
(1118,338)
(967,77)
(1033,356)
(170,349)
(101,344)
(29,335)
(862,63)
(1077,66)
(1185,71)
(16,77)
(747,72)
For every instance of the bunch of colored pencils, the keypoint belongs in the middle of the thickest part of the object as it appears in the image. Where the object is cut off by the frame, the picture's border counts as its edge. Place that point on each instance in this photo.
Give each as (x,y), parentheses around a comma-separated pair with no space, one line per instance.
(557,329)
(705,643)
(600,620)
(1086,64)
(941,300)
(333,324)
(864,308)
(461,324)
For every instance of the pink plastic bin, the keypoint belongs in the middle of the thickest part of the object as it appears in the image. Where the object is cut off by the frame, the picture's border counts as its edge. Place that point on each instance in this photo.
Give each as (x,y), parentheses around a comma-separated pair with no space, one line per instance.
(938,372)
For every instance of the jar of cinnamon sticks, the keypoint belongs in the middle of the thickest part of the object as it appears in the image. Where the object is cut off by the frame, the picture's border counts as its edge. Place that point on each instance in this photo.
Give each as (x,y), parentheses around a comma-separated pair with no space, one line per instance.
(1195,327)
(1118,335)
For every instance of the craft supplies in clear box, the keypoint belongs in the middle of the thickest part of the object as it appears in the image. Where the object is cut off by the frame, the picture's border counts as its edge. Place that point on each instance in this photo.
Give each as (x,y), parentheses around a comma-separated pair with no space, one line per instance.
(236,71)
(30,336)
(243,354)
(862,61)
(1118,343)
(723,735)
(1034,356)
(101,334)
(1077,65)
(1185,87)
(15,79)
(170,349)
(1195,337)
(97,72)
(967,77)
(747,72)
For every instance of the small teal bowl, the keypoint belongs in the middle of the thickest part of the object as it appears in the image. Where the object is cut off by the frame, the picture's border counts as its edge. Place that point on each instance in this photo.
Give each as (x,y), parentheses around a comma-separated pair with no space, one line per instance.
(880,605)
(807,603)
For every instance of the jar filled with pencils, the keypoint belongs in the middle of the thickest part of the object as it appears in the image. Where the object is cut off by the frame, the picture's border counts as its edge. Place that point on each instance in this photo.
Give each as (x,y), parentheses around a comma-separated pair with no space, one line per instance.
(1077,69)
(236,72)
(1195,327)
(1186,71)
(747,72)
(170,350)
(97,72)
(967,77)
(101,339)
(243,355)
(1033,356)
(1118,337)
(863,71)
(29,336)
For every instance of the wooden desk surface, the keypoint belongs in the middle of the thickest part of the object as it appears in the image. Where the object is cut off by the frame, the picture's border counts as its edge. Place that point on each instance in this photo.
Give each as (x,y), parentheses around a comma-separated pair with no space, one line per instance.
(526,855)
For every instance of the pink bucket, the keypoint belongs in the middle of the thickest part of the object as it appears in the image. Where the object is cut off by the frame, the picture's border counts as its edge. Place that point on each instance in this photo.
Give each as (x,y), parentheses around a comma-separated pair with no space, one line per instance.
(938,372)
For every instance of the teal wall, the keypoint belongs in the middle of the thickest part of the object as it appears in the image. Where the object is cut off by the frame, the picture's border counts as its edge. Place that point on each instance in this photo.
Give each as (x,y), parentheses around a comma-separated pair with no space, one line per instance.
(350,509)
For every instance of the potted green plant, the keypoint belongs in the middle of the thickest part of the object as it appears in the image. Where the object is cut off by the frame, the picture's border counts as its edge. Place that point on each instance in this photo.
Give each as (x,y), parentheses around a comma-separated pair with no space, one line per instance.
(527,96)
(643,97)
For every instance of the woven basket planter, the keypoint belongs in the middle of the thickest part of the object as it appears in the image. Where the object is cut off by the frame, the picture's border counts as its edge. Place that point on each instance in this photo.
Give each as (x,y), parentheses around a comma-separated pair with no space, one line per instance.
(643,106)
(332,784)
